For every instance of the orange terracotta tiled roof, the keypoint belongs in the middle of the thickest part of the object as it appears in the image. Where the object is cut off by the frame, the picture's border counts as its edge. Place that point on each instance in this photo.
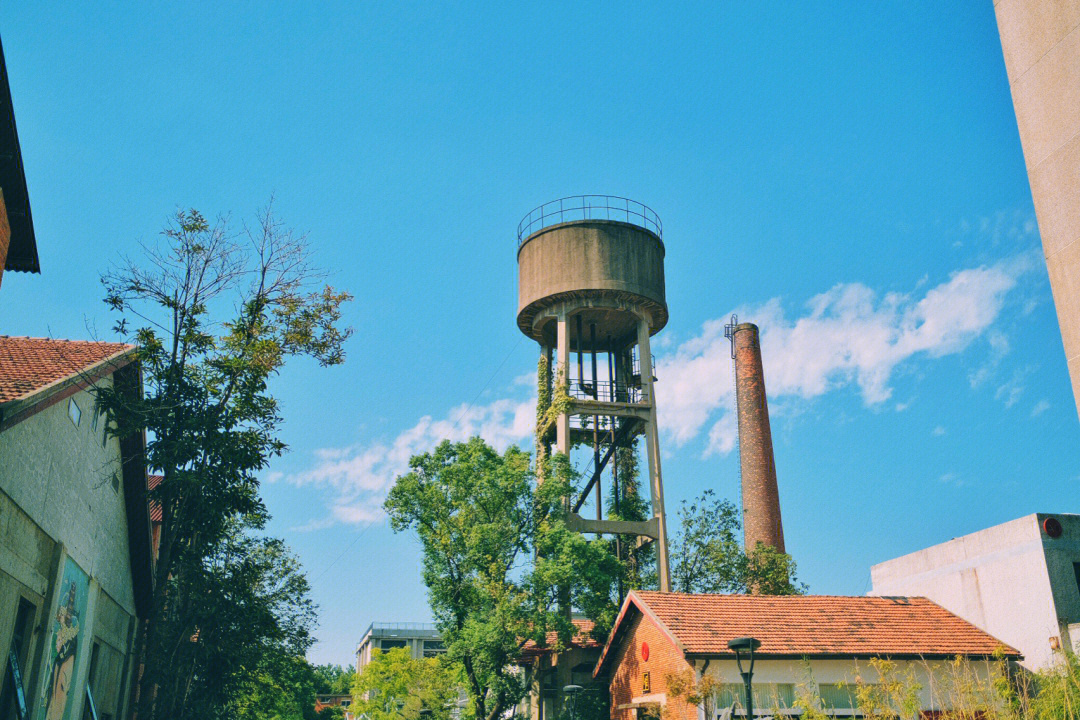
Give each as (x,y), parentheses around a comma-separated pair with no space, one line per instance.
(152,481)
(28,365)
(582,639)
(811,625)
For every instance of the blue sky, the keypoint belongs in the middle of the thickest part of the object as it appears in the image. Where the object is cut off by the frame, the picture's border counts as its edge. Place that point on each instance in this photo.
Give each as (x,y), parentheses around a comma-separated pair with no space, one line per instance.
(848,176)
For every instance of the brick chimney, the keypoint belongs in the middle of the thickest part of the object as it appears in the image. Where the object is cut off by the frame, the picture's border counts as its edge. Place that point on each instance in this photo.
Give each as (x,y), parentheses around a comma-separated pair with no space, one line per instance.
(760,497)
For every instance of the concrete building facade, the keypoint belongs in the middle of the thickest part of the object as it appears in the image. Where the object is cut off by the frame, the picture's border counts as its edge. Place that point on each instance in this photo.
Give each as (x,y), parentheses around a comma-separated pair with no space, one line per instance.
(1019,581)
(75,568)
(421,639)
(1040,40)
(806,641)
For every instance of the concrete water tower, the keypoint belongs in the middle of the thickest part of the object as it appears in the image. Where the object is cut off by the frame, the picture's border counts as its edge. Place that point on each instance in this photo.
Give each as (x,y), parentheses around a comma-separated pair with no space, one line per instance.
(591,285)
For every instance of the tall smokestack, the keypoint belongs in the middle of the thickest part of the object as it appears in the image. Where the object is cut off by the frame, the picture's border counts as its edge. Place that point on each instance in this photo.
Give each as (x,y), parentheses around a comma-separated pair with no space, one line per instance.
(760,497)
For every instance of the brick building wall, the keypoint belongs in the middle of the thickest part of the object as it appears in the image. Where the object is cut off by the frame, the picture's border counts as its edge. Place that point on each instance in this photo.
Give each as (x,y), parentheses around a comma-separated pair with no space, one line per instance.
(629,668)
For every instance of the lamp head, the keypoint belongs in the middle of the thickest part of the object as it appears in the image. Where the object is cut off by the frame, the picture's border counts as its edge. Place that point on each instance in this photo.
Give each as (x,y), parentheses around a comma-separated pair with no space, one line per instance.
(742,645)
(572,689)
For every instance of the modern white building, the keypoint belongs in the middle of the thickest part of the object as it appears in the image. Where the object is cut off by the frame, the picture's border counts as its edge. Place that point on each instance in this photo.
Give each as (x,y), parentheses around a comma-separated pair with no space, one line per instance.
(1019,581)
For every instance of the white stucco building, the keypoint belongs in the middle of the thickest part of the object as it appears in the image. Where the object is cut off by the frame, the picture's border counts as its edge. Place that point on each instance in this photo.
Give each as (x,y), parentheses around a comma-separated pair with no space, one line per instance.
(1018,581)
(75,563)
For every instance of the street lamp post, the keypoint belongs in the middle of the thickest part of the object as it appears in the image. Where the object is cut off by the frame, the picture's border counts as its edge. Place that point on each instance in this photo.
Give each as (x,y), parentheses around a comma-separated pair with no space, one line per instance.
(746,645)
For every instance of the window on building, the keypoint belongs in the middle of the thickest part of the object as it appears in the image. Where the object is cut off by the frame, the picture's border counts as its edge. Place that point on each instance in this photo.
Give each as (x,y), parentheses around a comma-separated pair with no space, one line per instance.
(433,648)
(838,696)
(74,412)
(13,701)
(1076,572)
(767,696)
(391,644)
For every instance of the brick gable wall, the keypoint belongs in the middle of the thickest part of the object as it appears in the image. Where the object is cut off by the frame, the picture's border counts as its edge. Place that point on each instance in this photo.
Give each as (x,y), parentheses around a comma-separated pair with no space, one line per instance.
(629,668)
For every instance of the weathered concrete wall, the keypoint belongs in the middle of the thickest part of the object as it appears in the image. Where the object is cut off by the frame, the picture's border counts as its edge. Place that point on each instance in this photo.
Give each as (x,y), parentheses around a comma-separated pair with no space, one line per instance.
(61,497)
(1041,43)
(996,579)
(62,476)
(1061,553)
(591,258)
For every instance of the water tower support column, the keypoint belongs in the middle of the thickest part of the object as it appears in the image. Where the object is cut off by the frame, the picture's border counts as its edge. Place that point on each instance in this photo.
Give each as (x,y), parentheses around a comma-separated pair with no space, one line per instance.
(652,446)
(562,375)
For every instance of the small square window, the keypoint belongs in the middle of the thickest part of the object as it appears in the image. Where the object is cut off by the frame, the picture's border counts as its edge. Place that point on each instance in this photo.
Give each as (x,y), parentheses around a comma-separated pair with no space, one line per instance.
(74,412)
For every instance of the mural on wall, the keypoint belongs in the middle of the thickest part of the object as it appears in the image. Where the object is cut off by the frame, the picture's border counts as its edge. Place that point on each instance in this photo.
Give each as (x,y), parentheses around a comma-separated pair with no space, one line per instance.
(64,639)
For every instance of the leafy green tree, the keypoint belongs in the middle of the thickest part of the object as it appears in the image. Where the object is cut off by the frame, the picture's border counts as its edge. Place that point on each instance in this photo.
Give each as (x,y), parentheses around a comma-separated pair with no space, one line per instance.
(500,566)
(247,619)
(331,712)
(394,686)
(214,315)
(626,502)
(334,679)
(705,551)
(767,571)
(282,687)
(707,557)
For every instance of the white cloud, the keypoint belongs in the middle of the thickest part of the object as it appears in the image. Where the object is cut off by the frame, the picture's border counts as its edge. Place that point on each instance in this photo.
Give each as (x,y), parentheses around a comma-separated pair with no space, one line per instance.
(1040,407)
(847,335)
(1011,391)
(723,435)
(938,431)
(355,479)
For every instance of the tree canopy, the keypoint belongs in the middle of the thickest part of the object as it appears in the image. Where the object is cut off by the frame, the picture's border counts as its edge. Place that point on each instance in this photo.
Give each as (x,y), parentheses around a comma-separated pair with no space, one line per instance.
(708,558)
(395,686)
(496,553)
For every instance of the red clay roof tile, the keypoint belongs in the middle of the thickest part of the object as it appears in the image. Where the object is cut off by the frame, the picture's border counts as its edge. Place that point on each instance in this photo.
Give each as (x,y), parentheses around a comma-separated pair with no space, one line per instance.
(152,481)
(819,625)
(28,365)
(582,639)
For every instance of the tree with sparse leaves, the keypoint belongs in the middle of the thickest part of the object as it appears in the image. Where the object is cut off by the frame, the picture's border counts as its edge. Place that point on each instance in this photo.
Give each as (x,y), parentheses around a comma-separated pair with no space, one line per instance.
(707,557)
(214,314)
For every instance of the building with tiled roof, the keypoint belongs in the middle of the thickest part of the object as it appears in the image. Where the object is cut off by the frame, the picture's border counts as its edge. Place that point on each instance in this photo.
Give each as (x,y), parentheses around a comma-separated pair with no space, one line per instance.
(824,640)
(549,668)
(31,367)
(75,545)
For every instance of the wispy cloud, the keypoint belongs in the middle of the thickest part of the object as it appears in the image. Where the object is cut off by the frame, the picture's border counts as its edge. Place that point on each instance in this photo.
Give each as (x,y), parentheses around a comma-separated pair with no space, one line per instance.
(355,479)
(848,335)
(938,431)
(1040,407)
